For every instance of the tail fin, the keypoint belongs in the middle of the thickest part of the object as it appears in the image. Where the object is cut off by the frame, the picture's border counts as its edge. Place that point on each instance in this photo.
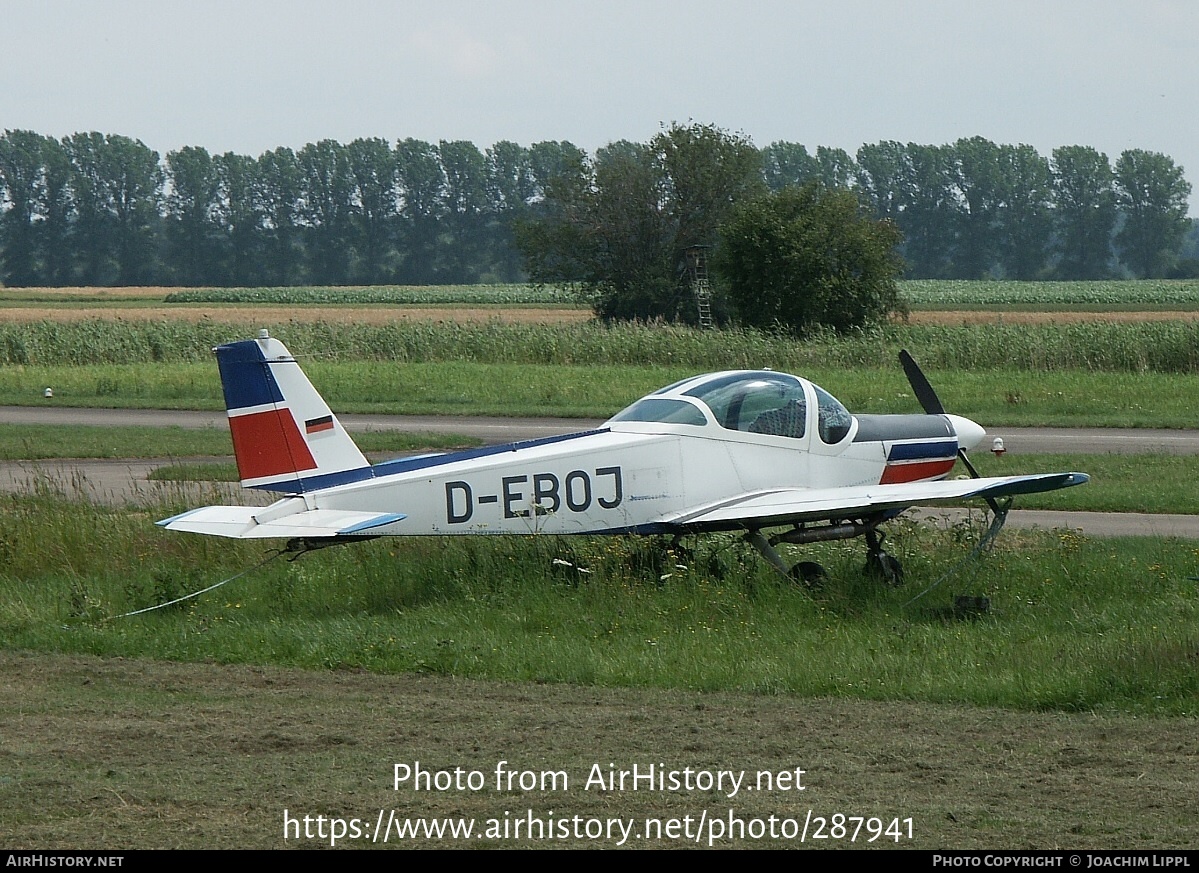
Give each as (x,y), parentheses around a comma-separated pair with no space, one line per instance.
(285,436)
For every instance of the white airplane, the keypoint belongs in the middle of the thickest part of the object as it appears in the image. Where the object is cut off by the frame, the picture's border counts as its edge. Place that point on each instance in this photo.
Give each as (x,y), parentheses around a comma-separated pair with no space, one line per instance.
(745,450)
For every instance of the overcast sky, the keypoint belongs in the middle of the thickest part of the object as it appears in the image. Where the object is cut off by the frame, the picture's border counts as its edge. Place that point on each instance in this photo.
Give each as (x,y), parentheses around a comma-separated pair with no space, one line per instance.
(252,75)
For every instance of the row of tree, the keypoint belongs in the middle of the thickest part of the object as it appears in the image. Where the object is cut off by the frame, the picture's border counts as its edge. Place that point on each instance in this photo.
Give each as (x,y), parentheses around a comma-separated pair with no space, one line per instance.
(98,209)
(975,208)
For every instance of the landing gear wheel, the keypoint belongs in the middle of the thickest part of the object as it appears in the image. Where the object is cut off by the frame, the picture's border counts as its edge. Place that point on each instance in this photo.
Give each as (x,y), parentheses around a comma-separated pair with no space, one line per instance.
(679,552)
(884,566)
(809,573)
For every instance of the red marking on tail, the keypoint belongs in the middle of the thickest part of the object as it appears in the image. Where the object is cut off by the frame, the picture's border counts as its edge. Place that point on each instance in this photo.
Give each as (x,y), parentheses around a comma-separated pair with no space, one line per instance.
(269,444)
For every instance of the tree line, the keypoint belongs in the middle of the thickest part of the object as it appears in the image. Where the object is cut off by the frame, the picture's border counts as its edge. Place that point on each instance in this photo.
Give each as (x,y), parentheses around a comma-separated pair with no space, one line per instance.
(103,209)
(96,209)
(977,209)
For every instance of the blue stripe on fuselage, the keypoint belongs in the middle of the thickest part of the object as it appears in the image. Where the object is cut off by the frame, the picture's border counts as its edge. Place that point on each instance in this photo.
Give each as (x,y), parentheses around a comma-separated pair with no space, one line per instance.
(295,484)
(404,465)
(922,451)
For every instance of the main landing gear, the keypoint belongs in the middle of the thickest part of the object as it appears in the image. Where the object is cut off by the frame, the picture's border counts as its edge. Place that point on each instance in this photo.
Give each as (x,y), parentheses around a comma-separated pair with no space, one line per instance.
(879,563)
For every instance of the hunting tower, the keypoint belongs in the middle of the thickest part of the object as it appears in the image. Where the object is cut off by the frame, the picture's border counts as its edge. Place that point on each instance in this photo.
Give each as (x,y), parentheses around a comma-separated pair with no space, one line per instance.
(697,275)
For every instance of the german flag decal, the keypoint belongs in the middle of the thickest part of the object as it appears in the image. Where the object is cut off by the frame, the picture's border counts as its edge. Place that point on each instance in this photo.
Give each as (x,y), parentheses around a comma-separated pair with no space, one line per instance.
(318,425)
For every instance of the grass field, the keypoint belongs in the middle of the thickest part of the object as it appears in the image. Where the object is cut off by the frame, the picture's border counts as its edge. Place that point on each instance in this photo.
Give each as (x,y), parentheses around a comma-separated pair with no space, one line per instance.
(995,397)
(1080,675)
(1107,374)
(1066,632)
(42,442)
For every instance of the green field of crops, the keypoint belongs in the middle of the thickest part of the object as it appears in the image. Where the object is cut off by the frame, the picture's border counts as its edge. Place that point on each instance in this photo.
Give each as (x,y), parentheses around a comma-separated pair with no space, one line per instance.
(1148,347)
(1090,374)
(1115,294)
(920,293)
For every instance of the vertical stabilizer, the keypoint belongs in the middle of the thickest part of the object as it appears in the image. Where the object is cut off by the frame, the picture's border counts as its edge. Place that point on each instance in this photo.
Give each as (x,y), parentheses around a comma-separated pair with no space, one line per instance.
(285,436)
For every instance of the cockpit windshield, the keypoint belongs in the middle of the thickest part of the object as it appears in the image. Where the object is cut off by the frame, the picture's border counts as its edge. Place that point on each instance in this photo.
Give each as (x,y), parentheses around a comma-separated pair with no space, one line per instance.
(833,419)
(757,402)
(663,410)
(750,401)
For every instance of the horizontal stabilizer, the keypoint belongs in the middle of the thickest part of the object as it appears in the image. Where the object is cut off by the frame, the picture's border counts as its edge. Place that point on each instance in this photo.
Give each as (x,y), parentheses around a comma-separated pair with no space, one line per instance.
(250,522)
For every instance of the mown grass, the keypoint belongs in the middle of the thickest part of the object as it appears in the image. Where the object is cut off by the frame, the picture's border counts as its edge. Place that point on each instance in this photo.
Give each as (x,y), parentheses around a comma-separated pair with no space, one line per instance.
(994,397)
(201,471)
(30,442)
(34,442)
(1075,624)
(1154,483)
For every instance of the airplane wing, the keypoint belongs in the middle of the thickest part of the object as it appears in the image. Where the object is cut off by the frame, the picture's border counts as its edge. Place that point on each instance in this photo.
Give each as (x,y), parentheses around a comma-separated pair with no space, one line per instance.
(291,517)
(789,505)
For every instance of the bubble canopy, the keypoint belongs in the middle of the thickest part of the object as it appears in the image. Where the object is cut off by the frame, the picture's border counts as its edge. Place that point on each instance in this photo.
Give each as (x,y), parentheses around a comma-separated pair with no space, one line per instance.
(749,401)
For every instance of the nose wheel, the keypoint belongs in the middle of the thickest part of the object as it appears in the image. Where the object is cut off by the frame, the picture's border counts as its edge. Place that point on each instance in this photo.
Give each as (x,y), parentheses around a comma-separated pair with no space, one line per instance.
(880,563)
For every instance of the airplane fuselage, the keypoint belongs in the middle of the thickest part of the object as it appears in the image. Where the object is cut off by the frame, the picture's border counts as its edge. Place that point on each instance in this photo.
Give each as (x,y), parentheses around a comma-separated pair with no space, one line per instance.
(740,450)
(641,475)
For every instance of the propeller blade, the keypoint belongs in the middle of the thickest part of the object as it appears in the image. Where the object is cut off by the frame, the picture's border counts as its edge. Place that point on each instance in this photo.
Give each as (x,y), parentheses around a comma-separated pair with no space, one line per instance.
(920,385)
(931,404)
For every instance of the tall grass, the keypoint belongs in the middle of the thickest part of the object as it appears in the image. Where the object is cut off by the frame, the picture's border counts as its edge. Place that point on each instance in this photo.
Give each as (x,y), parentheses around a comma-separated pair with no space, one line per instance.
(1075,624)
(1158,347)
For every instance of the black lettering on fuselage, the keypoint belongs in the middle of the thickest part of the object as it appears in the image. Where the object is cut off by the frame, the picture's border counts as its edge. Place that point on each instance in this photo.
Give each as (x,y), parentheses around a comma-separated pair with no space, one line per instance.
(511,497)
(451,516)
(578,490)
(578,497)
(545,493)
(617,487)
